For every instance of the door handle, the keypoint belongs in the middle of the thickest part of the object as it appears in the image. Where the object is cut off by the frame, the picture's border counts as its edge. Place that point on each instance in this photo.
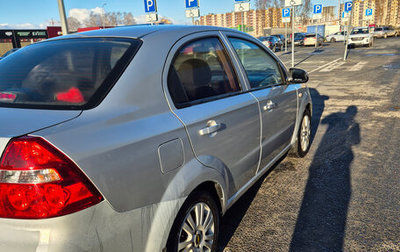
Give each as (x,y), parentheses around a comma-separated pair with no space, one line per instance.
(270,106)
(211,129)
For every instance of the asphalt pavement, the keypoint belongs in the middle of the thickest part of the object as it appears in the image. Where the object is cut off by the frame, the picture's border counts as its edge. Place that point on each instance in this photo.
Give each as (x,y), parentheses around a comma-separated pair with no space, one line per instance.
(345,194)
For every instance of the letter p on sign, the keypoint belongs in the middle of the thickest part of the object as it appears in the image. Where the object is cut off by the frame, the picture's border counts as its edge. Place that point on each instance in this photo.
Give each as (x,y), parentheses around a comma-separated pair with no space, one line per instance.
(150,5)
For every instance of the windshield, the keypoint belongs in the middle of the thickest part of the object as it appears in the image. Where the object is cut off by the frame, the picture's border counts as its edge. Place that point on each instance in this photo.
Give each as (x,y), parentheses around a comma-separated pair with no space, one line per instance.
(63,74)
(360,31)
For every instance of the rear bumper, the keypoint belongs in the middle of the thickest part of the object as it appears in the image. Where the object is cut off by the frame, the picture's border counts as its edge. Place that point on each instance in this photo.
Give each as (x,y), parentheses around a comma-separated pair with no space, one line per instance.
(98,228)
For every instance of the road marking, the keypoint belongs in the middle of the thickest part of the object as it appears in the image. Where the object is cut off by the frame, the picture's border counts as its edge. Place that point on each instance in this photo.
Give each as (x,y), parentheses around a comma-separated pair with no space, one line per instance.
(358,66)
(332,66)
(327,64)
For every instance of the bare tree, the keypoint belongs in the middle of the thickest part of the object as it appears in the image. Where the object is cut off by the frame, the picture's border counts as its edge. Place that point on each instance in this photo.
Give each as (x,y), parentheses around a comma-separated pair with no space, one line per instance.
(73,24)
(265,4)
(303,11)
(94,20)
(110,19)
(128,19)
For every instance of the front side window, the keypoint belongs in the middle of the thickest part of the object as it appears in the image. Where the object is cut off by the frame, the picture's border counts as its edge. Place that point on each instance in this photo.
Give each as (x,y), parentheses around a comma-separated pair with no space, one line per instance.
(262,70)
(63,74)
(201,69)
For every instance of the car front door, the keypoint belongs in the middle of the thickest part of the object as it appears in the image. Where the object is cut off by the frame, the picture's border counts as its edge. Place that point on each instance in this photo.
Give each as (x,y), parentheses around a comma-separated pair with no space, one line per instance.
(222,121)
(278,101)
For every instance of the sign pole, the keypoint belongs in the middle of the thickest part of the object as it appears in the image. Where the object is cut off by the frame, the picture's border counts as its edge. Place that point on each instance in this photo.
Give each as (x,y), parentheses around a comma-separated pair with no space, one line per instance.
(316,35)
(347,35)
(292,33)
(286,37)
(64,24)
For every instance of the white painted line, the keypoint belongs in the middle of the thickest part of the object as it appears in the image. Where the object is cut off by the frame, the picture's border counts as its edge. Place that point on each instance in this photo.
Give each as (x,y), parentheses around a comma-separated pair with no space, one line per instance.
(358,66)
(332,67)
(327,64)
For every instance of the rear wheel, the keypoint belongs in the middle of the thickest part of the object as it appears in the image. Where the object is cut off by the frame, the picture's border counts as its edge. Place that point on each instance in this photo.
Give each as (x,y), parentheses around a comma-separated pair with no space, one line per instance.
(196,226)
(302,145)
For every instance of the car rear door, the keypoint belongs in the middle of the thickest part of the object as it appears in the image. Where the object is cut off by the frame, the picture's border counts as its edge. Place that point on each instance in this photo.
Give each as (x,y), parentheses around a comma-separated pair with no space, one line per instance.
(205,93)
(278,101)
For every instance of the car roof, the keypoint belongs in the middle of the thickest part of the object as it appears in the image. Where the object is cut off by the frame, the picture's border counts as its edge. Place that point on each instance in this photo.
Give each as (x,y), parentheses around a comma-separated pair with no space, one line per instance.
(140,31)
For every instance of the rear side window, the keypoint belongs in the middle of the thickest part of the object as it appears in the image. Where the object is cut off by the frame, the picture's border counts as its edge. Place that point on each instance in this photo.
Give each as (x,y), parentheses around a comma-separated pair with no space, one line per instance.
(201,69)
(63,74)
(261,69)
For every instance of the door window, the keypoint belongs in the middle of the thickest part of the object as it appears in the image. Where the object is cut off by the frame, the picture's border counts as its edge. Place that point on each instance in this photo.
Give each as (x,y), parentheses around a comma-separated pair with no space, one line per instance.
(261,69)
(201,69)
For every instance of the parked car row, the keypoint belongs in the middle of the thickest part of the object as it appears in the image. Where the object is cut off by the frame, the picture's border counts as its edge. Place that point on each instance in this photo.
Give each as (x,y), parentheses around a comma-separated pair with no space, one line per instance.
(384,32)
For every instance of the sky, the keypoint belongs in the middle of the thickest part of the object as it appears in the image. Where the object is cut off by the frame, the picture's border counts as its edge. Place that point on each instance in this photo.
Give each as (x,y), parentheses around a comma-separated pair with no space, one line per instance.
(28,14)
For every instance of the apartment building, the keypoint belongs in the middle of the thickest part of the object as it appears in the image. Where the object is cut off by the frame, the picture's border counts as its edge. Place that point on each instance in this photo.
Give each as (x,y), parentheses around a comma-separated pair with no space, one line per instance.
(385,12)
(254,20)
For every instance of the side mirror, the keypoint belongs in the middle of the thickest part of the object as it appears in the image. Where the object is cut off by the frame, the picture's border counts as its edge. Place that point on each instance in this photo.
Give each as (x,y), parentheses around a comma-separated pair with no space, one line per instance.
(297,75)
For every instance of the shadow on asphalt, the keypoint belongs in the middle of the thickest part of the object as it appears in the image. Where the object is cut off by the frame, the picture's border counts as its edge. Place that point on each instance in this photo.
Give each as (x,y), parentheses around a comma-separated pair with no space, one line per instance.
(321,222)
(318,101)
(235,214)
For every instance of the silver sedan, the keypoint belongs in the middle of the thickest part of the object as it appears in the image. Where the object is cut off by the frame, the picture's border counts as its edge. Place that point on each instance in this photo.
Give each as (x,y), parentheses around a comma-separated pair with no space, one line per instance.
(139,138)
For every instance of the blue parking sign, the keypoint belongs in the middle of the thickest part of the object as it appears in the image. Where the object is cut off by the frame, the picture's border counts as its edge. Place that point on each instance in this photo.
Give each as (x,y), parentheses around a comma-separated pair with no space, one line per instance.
(318,9)
(150,6)
(192,4)
(347,6)
(368,12)
(286,12)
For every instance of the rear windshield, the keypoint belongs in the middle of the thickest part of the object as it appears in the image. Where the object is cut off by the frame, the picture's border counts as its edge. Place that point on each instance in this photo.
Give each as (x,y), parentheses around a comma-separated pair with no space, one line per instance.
(360,31)
(64,74)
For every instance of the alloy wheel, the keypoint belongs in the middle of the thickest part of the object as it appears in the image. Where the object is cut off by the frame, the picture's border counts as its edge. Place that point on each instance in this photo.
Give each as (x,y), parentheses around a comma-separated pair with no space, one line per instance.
(197,231)
(305,133)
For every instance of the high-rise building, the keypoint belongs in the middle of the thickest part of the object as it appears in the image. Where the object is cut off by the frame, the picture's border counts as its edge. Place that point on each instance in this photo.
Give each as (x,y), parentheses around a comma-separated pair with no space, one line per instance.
(385,12)
(254,20)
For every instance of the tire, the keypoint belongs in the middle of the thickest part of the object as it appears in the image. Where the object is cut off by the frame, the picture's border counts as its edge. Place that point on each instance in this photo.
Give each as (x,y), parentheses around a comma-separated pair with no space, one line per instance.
(333,40)
(201,201)
(303,134)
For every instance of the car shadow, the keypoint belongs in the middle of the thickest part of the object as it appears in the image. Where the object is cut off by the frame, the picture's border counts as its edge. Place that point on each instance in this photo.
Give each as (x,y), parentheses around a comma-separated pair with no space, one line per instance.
(235,214)
(321,222)
(318,101)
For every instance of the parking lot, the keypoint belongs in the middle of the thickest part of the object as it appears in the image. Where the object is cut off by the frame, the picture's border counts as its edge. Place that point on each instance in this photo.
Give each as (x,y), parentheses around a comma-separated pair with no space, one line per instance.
(345,194)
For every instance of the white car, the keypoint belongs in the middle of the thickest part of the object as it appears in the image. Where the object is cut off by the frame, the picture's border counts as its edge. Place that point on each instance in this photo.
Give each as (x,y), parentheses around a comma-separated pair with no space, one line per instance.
(310,39)
(360,36)
(336,37)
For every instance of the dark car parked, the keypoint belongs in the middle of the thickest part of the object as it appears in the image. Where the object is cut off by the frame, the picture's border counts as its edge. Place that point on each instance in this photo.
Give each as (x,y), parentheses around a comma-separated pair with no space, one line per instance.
(281,37)
(272,42)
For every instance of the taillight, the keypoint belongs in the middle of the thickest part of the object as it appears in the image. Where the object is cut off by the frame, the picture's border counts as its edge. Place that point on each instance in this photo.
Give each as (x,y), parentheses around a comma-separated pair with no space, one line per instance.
(38,181)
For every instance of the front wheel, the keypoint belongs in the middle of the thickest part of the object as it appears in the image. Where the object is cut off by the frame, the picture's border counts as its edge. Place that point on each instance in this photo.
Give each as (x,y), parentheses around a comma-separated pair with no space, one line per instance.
(303,142)
(196,226)
(333,40)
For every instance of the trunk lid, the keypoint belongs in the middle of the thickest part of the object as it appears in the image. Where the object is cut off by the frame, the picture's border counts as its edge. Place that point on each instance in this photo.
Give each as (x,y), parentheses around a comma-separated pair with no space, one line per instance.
(16,122)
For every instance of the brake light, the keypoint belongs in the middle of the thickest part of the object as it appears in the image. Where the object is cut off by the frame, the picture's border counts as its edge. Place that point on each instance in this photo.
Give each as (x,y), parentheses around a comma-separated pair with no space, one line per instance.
(38,181)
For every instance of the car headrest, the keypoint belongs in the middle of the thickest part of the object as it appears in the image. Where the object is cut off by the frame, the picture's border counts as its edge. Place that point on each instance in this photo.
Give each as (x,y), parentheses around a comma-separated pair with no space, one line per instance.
(194,73)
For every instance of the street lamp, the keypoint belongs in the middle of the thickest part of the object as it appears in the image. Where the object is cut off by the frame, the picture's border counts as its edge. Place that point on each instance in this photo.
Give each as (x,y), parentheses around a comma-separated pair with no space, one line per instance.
(102,7)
